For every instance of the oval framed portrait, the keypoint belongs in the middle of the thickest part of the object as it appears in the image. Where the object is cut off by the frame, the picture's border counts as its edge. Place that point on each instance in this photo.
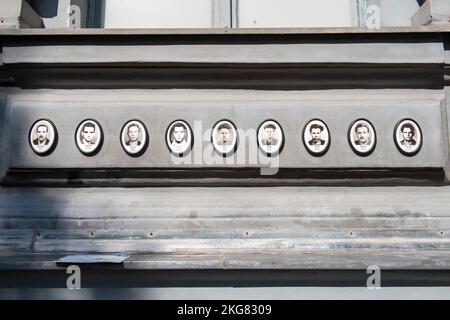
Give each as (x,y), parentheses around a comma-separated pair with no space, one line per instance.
(224,137)
(408,137)
(179,138)
(362,137)
(134,138)
(270,138)
(43,137)
(316,137)
(89,137)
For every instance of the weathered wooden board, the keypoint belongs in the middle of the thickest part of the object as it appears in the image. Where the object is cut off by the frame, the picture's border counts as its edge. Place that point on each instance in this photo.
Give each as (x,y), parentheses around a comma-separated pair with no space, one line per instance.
(180,246)
(251,225)
(17,240)
(403,227)
(336,259)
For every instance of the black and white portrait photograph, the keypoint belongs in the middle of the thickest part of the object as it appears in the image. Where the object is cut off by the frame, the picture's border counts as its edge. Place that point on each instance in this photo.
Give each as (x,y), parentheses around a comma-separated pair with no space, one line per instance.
(270,137)
(179,138)
(224,137)
(43,137)
(134,138)
(408,137)
(89,137)
(316,137)
(362,137)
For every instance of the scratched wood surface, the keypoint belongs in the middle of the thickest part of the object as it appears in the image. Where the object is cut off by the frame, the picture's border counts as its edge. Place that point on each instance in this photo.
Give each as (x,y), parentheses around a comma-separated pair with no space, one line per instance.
(229,228)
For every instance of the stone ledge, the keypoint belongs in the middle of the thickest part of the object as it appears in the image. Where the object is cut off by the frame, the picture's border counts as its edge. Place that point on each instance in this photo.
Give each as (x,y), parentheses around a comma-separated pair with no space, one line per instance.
(219,31)
(18,14)
(433,12)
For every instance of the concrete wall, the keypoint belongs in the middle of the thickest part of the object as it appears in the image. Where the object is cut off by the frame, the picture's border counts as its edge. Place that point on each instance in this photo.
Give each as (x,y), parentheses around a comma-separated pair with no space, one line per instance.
(246,109)
(275,227)
(296,13)
(398,12)
(157,14)
(252,13)
(222,13)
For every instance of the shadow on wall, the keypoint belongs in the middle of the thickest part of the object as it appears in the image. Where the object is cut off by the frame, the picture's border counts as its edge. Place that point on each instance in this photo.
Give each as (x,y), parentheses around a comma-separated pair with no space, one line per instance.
(55,13)
(45,8)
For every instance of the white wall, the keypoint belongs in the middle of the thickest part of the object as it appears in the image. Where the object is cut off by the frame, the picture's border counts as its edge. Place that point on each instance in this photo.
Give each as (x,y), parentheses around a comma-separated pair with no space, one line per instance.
(158,14)
(297,13)
(398,12)
(250,13)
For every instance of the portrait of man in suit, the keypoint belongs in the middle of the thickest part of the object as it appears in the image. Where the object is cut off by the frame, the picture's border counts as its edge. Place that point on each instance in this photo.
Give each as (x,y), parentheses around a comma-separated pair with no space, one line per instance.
(225,135)
(134,138)
(179,137)
(133,135)
(408,137)
(363,133)
(362,137)
(42,139)
(316,135)
(89,137)
(407,130)
(270,140)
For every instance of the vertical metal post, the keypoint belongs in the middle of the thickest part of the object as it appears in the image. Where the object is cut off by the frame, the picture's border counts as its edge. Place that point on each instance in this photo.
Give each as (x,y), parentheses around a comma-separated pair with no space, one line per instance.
(234,13)
(221,14)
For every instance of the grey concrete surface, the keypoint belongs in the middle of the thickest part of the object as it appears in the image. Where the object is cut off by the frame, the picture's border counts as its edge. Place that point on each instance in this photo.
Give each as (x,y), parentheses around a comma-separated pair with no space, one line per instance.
(224,31)
(430,52)
(247,109)
(271,293)
(433,12)
(19,14)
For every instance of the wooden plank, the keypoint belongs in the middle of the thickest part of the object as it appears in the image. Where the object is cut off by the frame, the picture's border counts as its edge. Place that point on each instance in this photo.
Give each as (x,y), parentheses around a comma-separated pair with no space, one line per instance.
(214,202)
(237,233)
(15,245)
(158,225)
(15,234)
(229,212)
(248,224)
(277,222)
(16,240)
(336,259)
(235,245)
(322,259)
